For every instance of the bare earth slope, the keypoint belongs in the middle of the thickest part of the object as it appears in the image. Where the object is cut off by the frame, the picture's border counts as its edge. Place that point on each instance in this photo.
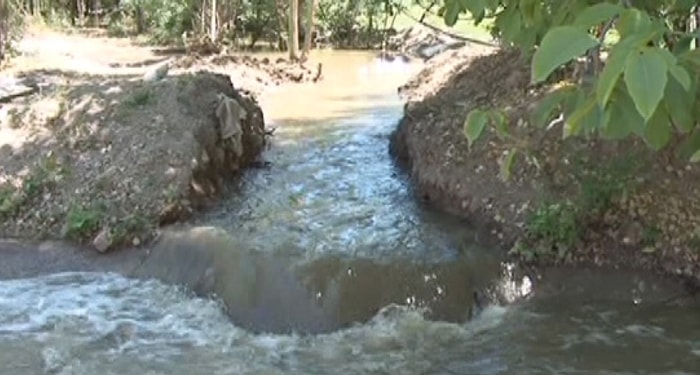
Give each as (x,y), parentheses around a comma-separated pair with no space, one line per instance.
(101,155)
(615,202)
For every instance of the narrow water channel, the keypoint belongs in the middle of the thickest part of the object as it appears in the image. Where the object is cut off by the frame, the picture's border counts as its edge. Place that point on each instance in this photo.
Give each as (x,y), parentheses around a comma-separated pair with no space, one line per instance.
(335,268)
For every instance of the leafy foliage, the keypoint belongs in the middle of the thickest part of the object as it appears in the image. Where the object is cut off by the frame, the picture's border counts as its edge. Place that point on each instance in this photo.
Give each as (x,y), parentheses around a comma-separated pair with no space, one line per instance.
(641,63)
(347,23)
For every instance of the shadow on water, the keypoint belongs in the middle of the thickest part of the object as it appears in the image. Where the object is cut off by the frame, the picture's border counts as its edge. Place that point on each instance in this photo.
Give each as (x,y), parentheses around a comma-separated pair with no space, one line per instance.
(274,293)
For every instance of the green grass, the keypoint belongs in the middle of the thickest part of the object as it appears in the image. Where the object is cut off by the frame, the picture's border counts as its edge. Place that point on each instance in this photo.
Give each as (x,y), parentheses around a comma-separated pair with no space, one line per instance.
(555,227)
(141,97)
(84,221)
(129,227)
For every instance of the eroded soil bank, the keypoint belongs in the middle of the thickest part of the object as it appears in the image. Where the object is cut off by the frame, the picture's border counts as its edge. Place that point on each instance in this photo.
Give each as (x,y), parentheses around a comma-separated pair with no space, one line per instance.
(575,201)
(106,144)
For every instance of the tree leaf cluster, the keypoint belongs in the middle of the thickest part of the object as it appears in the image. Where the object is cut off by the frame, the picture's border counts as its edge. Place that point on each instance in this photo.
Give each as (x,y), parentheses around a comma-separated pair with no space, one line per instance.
(641,59)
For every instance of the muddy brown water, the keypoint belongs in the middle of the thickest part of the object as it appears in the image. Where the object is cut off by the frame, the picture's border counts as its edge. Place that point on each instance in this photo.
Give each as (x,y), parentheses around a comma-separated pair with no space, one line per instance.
(325,263)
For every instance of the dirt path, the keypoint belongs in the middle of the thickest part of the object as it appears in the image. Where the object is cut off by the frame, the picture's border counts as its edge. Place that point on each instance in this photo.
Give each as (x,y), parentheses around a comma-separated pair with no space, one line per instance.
(91,52)
(87,52)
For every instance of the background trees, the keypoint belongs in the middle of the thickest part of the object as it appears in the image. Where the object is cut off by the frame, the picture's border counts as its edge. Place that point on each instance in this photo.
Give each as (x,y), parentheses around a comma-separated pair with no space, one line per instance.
(243,24)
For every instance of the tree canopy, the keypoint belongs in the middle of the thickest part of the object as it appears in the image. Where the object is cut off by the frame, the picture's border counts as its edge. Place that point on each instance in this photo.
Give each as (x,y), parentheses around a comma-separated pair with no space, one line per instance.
(640,59)
(351,23)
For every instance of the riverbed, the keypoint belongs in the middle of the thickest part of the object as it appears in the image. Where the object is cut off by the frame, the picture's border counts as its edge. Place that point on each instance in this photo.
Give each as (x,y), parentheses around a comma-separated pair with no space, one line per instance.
(330,265)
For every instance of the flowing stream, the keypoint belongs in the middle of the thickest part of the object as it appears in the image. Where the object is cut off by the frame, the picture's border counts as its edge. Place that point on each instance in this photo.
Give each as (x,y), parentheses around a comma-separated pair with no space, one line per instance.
(335,268)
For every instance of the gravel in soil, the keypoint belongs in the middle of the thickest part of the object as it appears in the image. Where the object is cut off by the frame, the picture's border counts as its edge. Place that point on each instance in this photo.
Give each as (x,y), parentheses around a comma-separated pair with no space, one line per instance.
(107,159)
(99,155)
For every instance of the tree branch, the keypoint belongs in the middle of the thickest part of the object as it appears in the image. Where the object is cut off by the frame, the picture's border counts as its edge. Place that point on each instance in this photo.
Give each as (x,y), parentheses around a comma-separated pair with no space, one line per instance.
(452,35)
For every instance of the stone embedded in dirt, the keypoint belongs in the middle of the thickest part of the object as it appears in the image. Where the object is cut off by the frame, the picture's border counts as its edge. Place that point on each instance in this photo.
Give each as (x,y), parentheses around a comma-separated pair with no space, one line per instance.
(103,241)
(157,73)
(131,158)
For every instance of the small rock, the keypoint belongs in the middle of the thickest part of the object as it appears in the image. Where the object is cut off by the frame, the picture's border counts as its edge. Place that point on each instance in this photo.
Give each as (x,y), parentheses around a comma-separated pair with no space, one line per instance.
(649,250)
(136,241)
(103,240)
(156,74)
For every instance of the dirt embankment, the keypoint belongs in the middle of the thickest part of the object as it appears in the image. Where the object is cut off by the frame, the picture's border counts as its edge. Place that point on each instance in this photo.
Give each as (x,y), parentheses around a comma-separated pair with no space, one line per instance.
(253,73)
(575,201)
(107,159)
(108,146)
(425,42)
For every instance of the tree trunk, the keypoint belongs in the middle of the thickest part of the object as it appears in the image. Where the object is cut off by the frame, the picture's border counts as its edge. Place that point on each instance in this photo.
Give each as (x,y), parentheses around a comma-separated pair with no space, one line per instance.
(279,11)
(4,27)
(293,30)
(95,11)
(203,18)
(80,4)
(73,12)
(696,26)
(139,18)
(310,12)
(212,22)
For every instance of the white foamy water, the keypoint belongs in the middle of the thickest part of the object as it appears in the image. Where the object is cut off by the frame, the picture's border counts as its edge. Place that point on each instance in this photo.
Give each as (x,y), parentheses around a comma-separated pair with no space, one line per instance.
(89,323)
(85,323)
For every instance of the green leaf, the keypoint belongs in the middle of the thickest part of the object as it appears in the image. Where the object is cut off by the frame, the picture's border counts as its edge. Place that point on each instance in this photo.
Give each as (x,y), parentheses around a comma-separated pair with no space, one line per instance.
(658,129)
(676,70)
(690,145)
(623,117)
(474,125)
(645,77)
(611,73)
(526,38)
(560,45)
(479,17)
(680,105)
(575,98)
(586,117)
(507,164)
(475,7)
(509,23)
(544,110)
(500,122)
(696,157)
(692,57)
(633,21)
(452,10)
(683,45)
(597,14)
(681,75)
(530,9)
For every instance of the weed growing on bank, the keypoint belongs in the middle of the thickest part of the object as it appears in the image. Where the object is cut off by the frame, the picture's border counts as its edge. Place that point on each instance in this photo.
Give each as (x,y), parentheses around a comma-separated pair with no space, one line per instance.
(556,226)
